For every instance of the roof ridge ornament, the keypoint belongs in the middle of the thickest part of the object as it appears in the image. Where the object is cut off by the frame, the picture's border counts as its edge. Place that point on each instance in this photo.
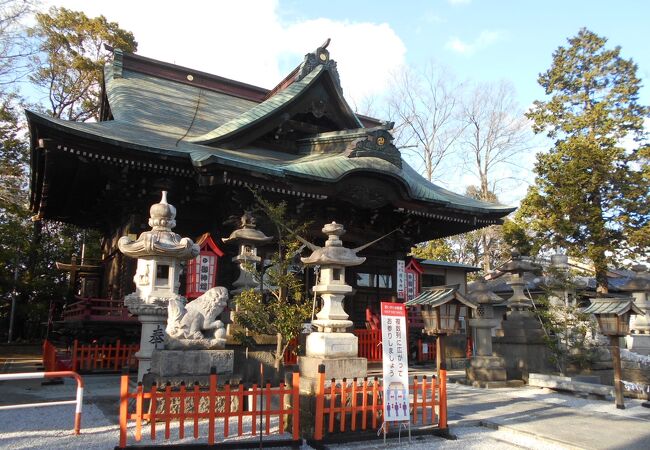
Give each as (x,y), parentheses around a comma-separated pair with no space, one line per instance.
(377,143)
(321,56)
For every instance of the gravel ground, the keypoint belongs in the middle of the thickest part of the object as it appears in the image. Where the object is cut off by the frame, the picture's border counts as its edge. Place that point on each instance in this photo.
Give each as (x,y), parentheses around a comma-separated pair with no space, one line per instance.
(51,428)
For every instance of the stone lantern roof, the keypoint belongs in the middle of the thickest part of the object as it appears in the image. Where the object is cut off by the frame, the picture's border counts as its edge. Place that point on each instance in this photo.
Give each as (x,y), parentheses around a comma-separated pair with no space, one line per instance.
(248,232)
(519,264)
(161,240)
(333,253)
(482,295)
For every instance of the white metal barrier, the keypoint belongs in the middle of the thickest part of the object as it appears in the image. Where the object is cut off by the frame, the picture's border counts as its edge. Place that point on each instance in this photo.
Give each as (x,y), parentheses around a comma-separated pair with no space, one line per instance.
(39,375)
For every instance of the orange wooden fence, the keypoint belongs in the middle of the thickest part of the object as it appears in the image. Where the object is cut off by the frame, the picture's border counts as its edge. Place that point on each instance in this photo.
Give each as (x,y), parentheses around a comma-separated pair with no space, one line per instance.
(52,361)
(103,357)
(359,406)
(147,403)
(369,344)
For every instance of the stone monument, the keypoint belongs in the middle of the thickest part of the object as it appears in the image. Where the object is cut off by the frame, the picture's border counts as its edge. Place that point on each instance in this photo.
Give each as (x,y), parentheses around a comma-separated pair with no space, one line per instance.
(522,344)
(485,369)
(331,344)
(639,287)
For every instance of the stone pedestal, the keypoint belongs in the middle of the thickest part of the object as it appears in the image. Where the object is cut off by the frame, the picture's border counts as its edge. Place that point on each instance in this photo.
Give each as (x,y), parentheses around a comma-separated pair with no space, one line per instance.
(523,346)
(338,368)
(486,369)
(331,345)
(638,343)
(190,365)
(153,318)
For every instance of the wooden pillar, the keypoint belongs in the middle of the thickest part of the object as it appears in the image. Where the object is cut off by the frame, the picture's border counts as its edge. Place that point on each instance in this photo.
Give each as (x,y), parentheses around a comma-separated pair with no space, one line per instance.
(441,359)
(618,385)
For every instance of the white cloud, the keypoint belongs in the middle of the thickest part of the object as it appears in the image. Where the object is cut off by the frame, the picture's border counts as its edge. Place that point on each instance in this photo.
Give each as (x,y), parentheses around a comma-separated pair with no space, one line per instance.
(246,40)
(483,40)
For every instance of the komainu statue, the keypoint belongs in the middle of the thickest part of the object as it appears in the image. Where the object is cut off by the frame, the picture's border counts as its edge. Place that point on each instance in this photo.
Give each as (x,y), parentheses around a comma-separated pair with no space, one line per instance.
(197,325)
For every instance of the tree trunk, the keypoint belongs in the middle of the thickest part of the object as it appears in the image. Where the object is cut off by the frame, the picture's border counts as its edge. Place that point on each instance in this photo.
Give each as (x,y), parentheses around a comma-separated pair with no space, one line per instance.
(600,267)
(278,351)
(486,251)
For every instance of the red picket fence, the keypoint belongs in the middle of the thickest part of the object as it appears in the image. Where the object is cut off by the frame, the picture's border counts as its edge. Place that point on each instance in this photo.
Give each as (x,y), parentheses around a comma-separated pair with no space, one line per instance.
(146,405)
(103,357)
(369,344)
(97,309)
(427,353)
(356,405)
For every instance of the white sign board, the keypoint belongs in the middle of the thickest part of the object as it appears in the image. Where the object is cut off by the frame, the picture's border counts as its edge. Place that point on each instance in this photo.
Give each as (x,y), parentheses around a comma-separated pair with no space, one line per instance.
(401,279)
(395,362)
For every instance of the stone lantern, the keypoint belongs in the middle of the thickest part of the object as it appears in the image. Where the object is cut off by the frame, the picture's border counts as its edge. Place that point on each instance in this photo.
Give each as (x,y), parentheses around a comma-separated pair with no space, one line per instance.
(248,238)
(331,344)
(613,316)
(440,309)
(159,253)
(484,366)
(516,267)
(522,344)
(639,287)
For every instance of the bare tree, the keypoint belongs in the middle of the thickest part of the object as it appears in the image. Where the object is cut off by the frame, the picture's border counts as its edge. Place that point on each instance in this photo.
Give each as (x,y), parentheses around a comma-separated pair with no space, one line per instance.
(495,134)
(424,106)
(14,43)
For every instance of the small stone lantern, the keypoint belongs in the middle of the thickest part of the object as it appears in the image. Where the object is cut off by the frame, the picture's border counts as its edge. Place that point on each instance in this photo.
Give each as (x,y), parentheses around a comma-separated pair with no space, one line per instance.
(248,238)
(516,267)
(485,367)
(159,253)
(613,316)
(332,345)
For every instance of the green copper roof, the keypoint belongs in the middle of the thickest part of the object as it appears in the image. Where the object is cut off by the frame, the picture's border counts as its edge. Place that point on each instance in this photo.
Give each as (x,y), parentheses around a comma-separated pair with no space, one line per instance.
(166,118)
(618,306)
(261,111)
(440,295)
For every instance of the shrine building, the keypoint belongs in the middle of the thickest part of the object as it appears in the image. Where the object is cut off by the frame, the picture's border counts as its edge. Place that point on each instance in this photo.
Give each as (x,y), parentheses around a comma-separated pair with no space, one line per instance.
(210,141)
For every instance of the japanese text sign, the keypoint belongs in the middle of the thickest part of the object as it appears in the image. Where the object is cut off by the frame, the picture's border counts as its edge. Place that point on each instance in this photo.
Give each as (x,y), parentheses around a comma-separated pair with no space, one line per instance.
(395,362)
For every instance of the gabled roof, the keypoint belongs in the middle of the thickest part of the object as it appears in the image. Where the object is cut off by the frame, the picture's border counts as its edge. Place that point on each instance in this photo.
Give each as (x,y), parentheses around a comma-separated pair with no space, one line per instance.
(440,295)
(618,306)
(275,106)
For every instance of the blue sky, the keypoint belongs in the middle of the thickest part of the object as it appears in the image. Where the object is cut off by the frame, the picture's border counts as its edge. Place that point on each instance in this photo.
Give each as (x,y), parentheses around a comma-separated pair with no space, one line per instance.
(512,39)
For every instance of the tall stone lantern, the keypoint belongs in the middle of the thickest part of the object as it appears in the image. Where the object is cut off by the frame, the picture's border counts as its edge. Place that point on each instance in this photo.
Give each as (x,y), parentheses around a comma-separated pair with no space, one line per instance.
(248,238)
(522,344)
(639,287)
(484,366)
(159,253)
(331,344)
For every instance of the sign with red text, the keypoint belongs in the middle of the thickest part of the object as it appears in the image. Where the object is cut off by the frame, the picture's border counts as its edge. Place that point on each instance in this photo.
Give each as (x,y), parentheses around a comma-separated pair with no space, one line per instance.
(395,362)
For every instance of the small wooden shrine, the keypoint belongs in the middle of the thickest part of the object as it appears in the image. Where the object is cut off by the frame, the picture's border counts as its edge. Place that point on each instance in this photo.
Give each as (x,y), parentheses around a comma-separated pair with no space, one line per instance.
(209,141)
